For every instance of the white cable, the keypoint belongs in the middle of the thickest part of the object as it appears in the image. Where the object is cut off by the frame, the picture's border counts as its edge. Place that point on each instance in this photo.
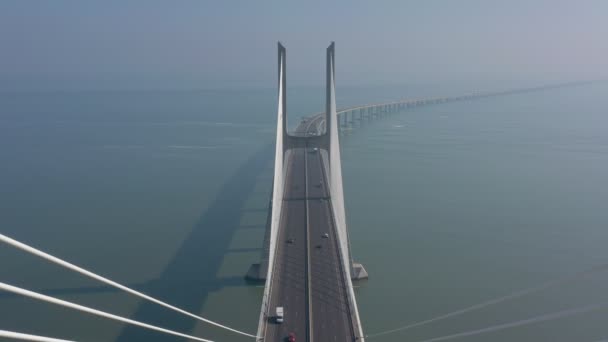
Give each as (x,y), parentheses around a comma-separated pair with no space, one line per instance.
(52,300)
(536,319)
(27,337)
(487,303)
(97,277)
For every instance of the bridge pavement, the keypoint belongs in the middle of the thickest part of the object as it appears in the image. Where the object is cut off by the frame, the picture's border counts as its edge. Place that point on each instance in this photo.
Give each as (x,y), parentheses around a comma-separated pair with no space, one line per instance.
(312,293)
(331,317)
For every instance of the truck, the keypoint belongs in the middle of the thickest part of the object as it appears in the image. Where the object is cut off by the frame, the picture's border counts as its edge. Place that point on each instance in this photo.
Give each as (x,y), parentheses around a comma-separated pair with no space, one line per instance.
(279,316)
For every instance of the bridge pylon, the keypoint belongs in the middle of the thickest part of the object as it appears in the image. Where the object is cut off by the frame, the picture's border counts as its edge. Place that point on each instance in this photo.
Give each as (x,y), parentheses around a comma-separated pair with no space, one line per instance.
(332,145)
(328,141)
(318,135)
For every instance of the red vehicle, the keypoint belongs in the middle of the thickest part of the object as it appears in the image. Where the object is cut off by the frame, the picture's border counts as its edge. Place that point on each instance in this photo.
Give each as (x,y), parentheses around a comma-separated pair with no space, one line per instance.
(291,337)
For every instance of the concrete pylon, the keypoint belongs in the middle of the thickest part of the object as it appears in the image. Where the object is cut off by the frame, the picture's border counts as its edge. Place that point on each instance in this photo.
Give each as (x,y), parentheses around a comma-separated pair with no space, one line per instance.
(282,87)
(330,142)
(354,270)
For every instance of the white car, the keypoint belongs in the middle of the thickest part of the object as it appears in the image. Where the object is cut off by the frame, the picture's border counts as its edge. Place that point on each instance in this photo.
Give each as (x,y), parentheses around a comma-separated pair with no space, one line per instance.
(279,316)
(325,236)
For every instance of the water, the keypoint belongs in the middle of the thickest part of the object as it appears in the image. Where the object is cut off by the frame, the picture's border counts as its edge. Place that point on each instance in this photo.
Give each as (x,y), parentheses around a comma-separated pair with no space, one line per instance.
(454,204)
(448,205)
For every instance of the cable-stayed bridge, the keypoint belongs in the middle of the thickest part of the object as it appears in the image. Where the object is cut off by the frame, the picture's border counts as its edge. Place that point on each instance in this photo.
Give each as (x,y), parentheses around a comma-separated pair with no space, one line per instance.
(307,263)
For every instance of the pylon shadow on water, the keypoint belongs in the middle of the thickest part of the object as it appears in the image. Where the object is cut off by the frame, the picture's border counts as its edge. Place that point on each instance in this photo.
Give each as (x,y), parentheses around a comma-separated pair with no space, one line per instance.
(191,275)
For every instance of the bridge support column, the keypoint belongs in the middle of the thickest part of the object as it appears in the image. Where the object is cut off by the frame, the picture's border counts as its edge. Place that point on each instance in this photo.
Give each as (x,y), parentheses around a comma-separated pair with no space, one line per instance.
(358,272)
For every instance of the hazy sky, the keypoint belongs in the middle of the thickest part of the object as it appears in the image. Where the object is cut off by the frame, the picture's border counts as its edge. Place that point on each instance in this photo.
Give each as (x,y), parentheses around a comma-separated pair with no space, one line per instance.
(205,44)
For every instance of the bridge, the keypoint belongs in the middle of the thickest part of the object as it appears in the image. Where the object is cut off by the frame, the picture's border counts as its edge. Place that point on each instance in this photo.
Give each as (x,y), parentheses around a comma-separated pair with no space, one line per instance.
(307,264)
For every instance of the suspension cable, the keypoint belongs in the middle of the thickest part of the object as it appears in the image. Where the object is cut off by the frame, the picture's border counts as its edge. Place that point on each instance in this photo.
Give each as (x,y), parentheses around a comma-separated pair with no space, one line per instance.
(514,295)
(57,301)
(536,319)
(27,337)
(65,264)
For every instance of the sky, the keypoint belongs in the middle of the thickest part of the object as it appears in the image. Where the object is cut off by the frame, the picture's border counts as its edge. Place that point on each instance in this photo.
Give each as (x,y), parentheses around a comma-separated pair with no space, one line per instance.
(193,44)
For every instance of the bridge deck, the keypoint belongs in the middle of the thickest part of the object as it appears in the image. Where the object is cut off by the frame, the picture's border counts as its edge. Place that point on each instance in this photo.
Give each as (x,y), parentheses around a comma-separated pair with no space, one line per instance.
(323,309)
(331,316)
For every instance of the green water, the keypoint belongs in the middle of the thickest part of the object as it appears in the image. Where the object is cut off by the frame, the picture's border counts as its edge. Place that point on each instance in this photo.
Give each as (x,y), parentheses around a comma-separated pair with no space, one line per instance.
(447,205)
(451,205)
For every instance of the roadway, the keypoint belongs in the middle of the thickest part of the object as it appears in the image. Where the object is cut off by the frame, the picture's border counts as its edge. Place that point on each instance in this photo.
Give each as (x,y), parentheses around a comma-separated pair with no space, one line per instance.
(331,318)
(308,279)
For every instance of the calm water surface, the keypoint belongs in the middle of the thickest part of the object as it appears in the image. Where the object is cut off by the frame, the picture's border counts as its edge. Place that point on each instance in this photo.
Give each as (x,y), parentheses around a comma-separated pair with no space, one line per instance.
(448,205)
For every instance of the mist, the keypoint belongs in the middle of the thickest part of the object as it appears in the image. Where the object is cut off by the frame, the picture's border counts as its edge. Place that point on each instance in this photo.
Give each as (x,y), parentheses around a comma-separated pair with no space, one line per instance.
(59,45)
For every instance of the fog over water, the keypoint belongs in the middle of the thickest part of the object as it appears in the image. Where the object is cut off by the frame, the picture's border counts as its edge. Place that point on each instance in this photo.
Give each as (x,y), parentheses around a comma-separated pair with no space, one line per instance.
(202,44)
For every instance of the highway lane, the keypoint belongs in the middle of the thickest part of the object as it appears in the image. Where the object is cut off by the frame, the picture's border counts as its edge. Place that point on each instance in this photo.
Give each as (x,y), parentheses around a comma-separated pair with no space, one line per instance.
(289,281)
(323,306)
(331,319)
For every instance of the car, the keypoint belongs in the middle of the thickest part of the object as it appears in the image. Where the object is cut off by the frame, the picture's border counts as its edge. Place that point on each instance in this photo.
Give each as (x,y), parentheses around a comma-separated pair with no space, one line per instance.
(290,240)
(325,236)
(291,337)
(279,316)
